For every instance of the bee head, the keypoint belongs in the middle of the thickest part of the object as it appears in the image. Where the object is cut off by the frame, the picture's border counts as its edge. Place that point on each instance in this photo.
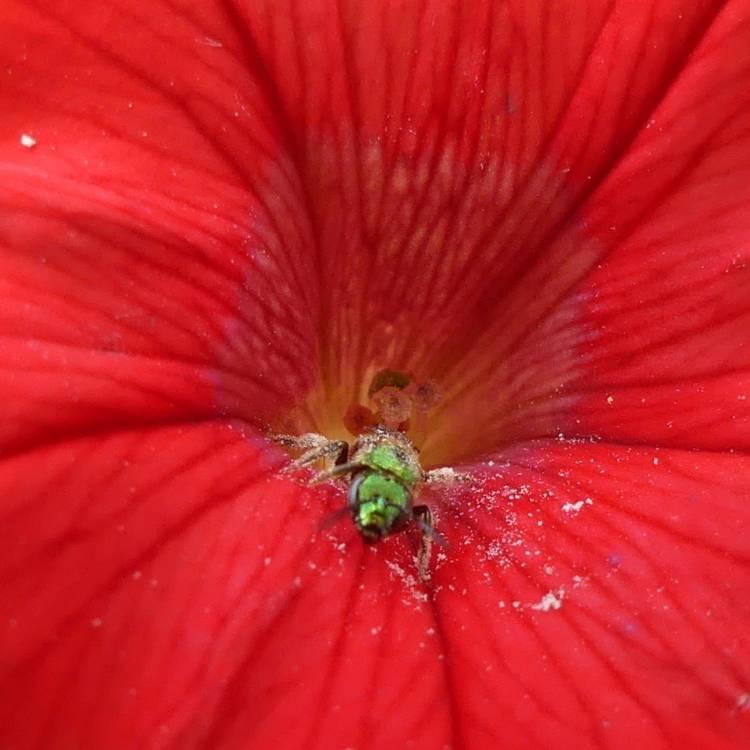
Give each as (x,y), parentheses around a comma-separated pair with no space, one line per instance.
(380,505)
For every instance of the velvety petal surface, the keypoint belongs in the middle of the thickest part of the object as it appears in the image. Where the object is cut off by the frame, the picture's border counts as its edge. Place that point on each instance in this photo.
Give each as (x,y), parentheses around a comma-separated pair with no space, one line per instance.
(218,215)
(155,217)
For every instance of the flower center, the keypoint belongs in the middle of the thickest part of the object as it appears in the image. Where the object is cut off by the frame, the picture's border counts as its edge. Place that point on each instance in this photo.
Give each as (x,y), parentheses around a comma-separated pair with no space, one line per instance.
(394,398)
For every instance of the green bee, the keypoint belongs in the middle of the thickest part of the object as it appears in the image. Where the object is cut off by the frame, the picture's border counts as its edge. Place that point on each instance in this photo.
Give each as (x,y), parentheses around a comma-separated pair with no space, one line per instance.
(384,474)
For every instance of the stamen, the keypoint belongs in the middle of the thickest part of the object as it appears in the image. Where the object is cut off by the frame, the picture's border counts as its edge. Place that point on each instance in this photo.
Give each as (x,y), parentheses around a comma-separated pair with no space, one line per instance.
(393,406)
(359,419)
(424,396)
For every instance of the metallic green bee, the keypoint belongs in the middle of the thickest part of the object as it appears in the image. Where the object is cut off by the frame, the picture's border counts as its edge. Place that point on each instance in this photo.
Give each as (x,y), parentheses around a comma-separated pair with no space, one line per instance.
(384,473)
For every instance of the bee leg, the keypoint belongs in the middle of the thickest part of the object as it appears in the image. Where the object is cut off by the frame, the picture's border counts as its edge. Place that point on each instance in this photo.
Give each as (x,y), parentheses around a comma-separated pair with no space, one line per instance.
(443,475)
(423,517)
(332,450)
(315,447)
(300,442)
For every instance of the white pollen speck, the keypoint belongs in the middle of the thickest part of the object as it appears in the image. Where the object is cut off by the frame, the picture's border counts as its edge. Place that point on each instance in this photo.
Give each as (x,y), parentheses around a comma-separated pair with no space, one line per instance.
(267,561)
(743,701)
(516,604)
(375,631)
(573,507)
(97,622)
(610,400)
(656,460)
(549,601)
(576,507)
(27,141)
(446,474)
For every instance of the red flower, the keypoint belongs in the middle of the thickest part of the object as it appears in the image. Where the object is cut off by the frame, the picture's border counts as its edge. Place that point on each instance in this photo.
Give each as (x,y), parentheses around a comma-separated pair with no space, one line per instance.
(220,216)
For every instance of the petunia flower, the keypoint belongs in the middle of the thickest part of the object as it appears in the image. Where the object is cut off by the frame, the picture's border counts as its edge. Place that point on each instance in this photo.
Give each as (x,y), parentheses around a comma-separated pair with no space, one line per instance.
(220,218)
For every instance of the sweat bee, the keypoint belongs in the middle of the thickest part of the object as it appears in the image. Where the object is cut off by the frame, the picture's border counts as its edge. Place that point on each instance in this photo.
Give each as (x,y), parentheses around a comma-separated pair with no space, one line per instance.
(384,475)
(382,466)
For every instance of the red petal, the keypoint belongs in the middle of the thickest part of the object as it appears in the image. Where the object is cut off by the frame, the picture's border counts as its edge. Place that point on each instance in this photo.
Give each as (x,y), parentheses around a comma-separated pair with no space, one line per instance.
(447,154)
(136,569)
(602,590)
(667,309)
(156,216)
(184,605)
